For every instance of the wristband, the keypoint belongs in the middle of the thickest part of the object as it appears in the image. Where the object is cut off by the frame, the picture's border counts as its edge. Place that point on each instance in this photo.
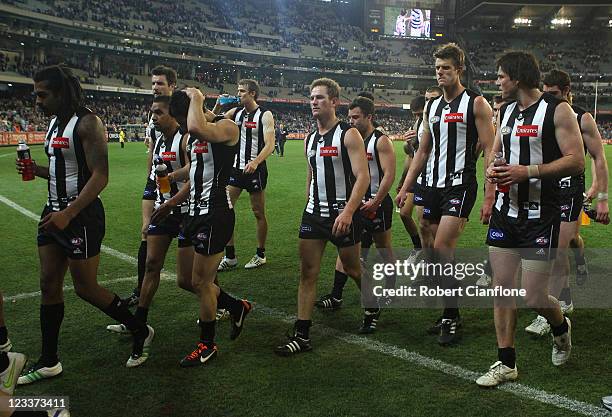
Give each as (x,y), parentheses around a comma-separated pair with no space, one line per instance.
(602,196)
(533,171)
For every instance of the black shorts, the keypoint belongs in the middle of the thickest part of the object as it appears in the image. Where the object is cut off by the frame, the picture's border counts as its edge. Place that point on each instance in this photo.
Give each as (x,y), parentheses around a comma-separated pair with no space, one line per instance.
(537,237)
(317,227)
(171,226)
(150,190)
(382,220)
(456,201)
(82,238)
(209,233)
(420,194)
(252,183)
(571,204)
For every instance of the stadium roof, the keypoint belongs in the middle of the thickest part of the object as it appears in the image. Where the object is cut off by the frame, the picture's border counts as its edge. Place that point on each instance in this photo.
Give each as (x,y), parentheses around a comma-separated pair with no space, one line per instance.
(540,12)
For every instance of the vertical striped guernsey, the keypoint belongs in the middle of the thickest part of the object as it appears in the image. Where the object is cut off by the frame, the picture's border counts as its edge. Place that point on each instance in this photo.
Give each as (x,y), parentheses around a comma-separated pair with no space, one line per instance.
(332,174)
(169,151)
(528,138)
(454,138)
(251,135)
(211,164)
(68,170)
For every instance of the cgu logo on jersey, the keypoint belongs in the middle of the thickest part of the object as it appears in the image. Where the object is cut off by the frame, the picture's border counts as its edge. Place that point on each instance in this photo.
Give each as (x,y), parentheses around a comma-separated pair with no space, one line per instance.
(329,151)
(169,156)
(250,125)
(370,156)
(527,131)
(453,118)
(60,143)
(200,147)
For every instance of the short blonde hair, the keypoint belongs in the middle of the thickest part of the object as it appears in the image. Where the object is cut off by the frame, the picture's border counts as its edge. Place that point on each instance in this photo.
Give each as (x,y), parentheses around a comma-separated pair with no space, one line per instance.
(333,88)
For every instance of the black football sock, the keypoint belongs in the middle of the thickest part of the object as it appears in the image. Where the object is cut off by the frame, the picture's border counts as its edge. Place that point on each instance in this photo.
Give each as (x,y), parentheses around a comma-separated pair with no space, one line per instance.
(3,335)
(559,330)
(230,303)
(142,314)
(261,252)
(4,361)
(142,259)
(230,252)
(507,356)
(119,311)
(416,241)
(207,331)
(340,279)
(302,328)
(51,317)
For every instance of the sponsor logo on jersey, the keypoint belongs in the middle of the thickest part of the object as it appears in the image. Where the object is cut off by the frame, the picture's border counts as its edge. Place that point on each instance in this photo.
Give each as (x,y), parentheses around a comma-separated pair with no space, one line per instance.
(202,236)
(565,207)
(453,210)
(329,151)
(200,147)
(496,234)
(542,241)
(434,119)
(418,198)
(370,156)
(60,143)
(76,241)
(169,156)
(426,211)
(455,201)
(305,228)
(453,118)
(527,131)
(506,130)
(250,125)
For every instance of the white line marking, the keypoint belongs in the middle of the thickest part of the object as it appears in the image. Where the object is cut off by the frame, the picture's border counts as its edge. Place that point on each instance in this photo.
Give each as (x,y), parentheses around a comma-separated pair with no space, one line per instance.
(33,216)
(519,390)
(7,154)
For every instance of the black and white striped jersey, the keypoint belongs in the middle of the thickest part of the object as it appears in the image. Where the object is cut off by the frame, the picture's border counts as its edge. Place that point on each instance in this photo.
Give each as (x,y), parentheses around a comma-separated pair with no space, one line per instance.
(211,165)
(454,138)
(251,135)
(168,151)
(332,174)
(570,184)
(376,171)
(68,170)
(528,138)
(426,172)
(153,135)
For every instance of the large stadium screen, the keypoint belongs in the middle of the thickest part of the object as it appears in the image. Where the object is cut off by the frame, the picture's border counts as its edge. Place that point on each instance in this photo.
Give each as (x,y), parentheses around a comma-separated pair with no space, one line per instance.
(407,22)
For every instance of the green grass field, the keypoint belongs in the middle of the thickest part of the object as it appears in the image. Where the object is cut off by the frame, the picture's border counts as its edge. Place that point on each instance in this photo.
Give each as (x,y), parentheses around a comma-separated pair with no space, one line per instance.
(345,375)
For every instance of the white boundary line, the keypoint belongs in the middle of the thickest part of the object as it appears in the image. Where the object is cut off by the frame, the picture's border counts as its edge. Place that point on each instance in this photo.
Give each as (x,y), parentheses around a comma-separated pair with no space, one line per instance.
(519,390)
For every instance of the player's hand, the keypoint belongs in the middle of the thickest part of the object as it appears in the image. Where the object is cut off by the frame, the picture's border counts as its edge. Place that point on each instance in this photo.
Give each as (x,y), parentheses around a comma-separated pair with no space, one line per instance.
(194,93)
(250,167)
(486,210)
(19,166)
(590,194)
(409,135)
(160,213)
(400,199)
(369,208)
(55,221)
(509,174)
(342,224)
(603,212)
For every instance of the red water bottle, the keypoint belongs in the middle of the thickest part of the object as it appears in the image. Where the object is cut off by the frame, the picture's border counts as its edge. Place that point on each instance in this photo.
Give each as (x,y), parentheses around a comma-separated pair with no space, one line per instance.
(498,162)
(23,155)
